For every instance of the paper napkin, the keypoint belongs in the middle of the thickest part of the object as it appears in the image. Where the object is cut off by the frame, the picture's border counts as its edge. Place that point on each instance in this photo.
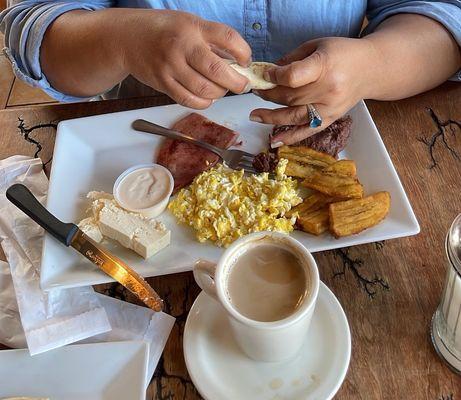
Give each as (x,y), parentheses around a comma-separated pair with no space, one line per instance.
(49,320)
(58,317)
(132,322)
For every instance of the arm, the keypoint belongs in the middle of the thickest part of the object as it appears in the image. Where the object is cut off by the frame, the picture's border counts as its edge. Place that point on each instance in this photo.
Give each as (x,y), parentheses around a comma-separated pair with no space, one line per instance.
(84,65)
(171,51)
(404,55)
(85,52)
(24,24)
(410,54)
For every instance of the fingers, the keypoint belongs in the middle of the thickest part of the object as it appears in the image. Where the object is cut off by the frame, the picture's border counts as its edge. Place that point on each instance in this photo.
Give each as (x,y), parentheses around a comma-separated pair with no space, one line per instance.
(297,73)
(281,116)
(228,39)
(216,69)
(291,116)
(199,85)
(292,97)
(183,96)
(295,135)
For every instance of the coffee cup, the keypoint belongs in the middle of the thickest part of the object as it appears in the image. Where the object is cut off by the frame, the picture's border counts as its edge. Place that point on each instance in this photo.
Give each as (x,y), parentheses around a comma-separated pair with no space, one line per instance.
(267,283)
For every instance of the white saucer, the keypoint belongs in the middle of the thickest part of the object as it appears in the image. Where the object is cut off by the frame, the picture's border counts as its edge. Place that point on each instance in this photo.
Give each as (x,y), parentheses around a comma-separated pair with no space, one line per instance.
(220,370)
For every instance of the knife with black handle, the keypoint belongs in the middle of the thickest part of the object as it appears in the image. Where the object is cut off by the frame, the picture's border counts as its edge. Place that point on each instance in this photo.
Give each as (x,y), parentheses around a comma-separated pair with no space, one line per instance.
(70,235)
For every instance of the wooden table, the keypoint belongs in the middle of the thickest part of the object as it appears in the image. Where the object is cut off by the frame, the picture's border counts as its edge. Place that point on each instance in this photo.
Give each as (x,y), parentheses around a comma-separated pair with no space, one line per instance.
(389,290)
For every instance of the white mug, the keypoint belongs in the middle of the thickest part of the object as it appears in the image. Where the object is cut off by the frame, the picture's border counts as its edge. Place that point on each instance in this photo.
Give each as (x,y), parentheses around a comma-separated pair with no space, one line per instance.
(263,341)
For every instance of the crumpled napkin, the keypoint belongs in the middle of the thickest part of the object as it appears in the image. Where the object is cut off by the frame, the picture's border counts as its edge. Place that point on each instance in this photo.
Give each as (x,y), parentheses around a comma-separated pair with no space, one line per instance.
(11,332)
(58,317)
(47,320)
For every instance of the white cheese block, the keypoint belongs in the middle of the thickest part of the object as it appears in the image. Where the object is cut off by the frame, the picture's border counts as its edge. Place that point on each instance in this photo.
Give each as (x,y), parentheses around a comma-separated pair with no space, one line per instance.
(90,227)
(132,230)
(95,195)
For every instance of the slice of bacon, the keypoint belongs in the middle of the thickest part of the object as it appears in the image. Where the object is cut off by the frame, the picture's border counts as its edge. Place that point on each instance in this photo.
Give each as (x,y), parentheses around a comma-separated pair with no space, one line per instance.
(185,161)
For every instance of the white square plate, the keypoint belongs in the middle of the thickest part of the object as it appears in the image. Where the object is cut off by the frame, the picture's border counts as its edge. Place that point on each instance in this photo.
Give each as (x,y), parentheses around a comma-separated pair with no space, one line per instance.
(100,371)
(91,152)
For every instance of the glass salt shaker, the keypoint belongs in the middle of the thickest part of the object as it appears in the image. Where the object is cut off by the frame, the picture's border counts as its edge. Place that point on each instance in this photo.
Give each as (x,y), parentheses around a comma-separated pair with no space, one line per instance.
(446,322)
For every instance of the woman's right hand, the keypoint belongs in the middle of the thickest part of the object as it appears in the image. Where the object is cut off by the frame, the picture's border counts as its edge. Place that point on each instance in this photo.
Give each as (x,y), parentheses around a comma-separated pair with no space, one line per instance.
(177,53)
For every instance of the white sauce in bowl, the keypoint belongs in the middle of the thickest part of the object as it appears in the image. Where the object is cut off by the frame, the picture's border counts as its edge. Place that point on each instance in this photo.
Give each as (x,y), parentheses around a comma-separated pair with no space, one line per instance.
(145,189)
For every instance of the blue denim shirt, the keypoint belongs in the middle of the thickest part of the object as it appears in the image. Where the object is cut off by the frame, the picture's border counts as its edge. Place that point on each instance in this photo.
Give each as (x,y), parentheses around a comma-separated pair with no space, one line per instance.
(271,27)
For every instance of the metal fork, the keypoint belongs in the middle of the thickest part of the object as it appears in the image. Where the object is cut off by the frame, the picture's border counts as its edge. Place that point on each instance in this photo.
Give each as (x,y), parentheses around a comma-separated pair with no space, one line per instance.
(235,159)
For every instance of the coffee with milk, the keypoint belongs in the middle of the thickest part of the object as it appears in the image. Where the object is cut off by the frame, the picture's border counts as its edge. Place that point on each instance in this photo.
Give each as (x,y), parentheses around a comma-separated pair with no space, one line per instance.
(266,283)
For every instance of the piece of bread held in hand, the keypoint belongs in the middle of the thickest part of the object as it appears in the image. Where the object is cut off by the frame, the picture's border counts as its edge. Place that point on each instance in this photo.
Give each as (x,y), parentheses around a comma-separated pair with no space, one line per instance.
(254,72)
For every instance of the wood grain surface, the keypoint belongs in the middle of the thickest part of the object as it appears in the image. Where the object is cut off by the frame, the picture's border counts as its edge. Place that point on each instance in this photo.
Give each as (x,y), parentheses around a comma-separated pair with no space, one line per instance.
(389,290)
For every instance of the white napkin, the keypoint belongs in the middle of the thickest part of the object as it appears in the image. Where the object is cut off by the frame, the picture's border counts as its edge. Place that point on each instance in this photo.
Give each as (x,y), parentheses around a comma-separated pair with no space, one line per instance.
(60,316)
(127,321)
(52,319)
(11,332)
(132,322)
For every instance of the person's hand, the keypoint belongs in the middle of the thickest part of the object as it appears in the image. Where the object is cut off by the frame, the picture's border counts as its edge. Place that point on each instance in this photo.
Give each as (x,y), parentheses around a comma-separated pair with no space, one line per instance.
(330,73)
(176,53)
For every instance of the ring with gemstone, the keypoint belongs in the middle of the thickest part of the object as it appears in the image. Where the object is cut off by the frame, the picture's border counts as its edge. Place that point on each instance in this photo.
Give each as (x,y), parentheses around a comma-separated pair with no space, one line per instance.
(315,120)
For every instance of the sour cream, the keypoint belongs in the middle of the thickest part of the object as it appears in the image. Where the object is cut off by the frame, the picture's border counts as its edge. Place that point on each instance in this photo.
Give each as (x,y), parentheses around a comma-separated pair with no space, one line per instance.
(144,188)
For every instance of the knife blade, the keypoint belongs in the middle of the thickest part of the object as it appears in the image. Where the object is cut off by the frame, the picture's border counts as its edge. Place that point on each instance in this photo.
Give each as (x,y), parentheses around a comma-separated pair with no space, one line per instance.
(70,235)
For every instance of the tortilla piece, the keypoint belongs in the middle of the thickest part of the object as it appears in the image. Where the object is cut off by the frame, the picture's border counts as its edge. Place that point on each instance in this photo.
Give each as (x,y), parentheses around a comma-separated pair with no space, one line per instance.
(254,72)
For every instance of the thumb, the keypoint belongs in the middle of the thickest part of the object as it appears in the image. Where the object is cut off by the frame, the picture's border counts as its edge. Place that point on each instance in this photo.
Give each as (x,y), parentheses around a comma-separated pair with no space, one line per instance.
(298,73)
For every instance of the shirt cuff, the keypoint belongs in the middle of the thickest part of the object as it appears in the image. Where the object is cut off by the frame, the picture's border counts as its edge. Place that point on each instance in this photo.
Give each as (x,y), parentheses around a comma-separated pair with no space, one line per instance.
(24,40)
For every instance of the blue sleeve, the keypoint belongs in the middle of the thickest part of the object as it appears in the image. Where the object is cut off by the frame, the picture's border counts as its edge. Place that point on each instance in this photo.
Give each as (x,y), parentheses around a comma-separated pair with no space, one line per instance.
(448,13)
(24,23)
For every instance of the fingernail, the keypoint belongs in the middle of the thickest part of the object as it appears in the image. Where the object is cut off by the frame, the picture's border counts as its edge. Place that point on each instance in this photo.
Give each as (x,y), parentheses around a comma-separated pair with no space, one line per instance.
(255,118)
(277,144)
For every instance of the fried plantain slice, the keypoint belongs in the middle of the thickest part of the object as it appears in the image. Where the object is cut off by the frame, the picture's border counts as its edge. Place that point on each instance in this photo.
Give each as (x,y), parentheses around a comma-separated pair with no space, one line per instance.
(304,161)
(315,222)
(335,185)
(343,167)
(311,203)
(353,216)
(312,213)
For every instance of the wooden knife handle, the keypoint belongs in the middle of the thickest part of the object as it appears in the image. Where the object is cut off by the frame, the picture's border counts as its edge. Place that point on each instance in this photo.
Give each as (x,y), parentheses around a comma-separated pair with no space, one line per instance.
(22,198)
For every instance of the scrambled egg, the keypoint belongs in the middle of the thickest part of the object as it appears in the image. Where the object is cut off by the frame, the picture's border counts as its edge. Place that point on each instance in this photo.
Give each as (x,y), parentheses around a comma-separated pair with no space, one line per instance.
(223,205)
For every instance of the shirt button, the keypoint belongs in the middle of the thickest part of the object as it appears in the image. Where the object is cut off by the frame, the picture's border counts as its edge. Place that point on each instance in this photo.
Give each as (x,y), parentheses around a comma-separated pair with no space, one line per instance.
(257,26)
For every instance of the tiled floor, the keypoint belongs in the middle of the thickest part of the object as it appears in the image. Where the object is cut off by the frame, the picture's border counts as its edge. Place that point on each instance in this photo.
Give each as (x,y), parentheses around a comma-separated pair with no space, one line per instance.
(14,92)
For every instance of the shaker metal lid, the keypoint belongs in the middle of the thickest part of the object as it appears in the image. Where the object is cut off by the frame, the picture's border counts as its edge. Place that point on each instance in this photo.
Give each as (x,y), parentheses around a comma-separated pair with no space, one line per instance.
(454,243)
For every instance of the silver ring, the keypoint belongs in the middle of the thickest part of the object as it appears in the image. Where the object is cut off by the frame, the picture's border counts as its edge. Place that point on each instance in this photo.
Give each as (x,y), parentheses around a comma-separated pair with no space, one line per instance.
(315,120)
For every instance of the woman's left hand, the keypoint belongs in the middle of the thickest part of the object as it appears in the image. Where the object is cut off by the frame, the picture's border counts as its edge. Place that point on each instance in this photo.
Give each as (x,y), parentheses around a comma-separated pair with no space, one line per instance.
(333,74)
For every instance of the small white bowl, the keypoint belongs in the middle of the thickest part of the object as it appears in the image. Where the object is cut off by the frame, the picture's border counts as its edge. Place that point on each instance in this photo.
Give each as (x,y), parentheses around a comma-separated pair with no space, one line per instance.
(154,210)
